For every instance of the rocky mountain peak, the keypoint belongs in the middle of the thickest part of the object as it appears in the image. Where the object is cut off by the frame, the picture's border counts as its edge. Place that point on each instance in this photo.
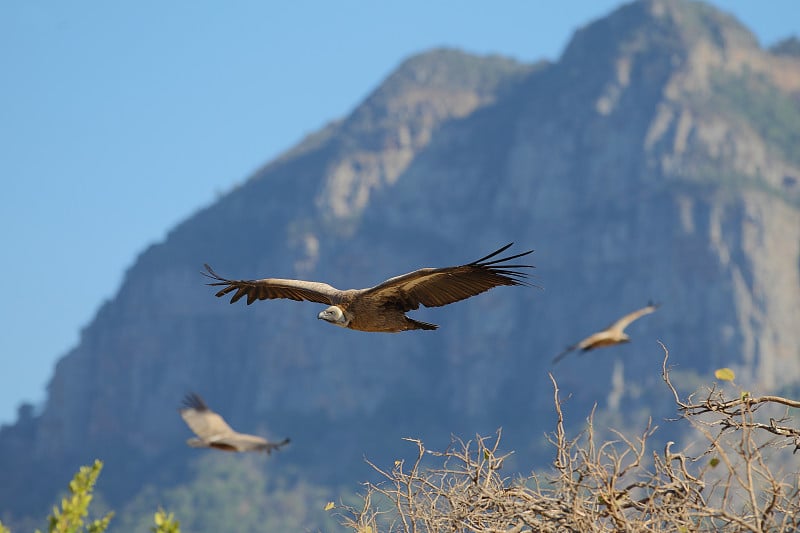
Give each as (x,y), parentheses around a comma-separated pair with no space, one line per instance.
(446,82)
(655,160)
(681,24)
(694,37)
(378,140)
(787,47)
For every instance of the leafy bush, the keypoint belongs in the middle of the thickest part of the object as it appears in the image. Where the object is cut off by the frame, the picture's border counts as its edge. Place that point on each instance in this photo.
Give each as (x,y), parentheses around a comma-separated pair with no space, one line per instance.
(71,517)
(234,493)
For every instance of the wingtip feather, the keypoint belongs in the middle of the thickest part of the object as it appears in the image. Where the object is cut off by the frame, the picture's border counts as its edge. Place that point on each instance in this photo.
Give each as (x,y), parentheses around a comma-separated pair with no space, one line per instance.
(501,250)
(564,353)
(194,401)
(212,274)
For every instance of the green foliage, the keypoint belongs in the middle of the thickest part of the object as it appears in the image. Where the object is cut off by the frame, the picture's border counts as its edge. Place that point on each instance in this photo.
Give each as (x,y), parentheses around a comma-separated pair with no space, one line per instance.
(75,508)
(751,101)
(234,493)
(724,374)
(165,523)
(773,114)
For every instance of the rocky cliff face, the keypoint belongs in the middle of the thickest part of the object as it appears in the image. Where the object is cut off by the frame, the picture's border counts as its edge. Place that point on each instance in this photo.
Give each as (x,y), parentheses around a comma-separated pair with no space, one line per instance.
(655,160)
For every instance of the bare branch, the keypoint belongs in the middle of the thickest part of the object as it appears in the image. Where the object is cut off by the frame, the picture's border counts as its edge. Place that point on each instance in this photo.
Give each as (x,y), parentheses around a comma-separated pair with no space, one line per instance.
(731,484)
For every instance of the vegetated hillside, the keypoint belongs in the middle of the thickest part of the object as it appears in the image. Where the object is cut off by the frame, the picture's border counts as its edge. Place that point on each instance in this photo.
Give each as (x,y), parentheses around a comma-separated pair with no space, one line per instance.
(654,160)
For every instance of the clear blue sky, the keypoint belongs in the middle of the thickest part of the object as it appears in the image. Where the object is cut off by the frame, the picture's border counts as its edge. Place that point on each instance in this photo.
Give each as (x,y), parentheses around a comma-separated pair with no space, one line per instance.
(119,119)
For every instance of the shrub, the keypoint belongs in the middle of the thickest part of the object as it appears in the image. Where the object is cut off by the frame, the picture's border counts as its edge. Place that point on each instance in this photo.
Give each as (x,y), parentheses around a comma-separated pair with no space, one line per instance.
(71,517)
(732,481)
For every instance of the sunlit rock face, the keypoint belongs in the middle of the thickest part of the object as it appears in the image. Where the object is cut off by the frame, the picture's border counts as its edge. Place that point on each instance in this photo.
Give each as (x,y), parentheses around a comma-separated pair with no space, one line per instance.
(655,160)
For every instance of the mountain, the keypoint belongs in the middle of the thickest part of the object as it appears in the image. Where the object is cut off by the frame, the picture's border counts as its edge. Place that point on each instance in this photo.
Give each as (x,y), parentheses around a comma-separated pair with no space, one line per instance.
(654,160)
(788,47)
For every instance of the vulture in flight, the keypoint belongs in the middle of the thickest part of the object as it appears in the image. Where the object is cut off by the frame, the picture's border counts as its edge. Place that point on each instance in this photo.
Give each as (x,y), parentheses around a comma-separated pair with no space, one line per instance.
(613,334)
(213,432)
(382,308)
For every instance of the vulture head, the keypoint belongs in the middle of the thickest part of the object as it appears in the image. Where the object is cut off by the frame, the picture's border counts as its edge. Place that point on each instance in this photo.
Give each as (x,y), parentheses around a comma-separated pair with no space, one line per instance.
(335,316)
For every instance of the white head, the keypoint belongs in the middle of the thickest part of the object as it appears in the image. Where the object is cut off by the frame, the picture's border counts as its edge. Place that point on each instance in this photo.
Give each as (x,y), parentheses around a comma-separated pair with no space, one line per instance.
(335,316)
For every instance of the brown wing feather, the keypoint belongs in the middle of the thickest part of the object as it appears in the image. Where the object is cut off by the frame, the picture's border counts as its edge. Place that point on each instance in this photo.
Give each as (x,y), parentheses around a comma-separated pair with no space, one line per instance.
(564,353)
(272,288)
(596,340)
(242,442)
(625,321)
(435,287)
(214,432)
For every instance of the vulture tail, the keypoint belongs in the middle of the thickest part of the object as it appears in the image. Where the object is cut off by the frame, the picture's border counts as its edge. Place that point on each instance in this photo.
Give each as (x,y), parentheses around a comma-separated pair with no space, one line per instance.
(418,324)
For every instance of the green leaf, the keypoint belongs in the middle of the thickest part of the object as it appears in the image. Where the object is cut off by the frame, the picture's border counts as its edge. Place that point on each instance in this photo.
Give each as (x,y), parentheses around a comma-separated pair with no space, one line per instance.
(75,507)
(713,462)
(100,525)
(725,374)
(165,523)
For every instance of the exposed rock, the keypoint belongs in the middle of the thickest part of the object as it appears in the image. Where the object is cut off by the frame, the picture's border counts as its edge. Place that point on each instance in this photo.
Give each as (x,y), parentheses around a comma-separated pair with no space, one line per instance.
(655,160)
(787,47)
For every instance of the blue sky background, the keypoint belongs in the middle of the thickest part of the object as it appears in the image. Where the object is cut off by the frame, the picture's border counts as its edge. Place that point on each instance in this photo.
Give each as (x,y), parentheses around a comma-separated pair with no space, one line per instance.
(118,120)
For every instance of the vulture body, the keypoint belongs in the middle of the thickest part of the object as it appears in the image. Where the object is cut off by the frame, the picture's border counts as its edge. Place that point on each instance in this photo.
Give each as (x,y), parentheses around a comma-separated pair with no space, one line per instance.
(382,308)
(613,334)
(213,432)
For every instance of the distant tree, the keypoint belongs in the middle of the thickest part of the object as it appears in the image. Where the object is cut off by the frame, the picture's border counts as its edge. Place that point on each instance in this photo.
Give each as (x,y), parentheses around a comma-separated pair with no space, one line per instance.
(732,481)
(233,494)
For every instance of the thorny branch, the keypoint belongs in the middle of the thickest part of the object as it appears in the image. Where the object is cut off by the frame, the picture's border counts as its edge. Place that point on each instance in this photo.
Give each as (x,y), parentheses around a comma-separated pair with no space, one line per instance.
(736,413)
(730,484)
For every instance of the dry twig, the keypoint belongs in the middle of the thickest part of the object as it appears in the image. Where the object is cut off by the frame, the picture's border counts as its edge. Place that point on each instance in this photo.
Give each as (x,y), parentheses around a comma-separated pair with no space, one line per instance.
(730,485)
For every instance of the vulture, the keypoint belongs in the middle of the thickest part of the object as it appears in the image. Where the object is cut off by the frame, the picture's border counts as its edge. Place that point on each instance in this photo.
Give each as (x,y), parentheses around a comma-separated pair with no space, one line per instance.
(213,432)
(382,308)
(613,334)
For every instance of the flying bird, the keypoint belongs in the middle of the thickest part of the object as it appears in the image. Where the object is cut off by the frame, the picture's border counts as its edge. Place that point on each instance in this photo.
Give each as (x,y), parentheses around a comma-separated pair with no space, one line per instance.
(613,334)
(382,308)
(213,432)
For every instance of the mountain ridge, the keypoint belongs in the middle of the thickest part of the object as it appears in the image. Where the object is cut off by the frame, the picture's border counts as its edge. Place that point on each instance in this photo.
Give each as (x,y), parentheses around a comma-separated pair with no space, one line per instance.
(624,164)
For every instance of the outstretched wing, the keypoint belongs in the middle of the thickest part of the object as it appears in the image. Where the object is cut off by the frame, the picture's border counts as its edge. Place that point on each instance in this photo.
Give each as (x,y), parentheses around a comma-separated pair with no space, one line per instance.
(204,422)
(275,445)
(272,288)
(435,287)
(562,355)
(625,321)
(243,442)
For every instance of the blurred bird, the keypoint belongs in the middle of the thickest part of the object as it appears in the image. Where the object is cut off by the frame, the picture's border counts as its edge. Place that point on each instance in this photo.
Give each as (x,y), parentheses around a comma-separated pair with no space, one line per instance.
(382,308)
(213,432)
(613,334)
